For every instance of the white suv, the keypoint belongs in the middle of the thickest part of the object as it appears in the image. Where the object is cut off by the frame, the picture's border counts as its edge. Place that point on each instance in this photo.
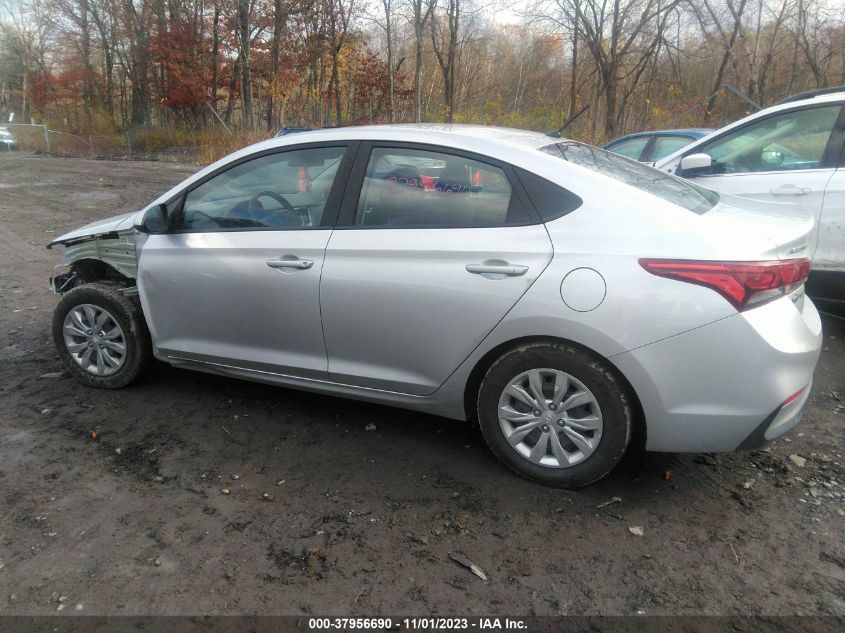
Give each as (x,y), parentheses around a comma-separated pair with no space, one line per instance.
(790,153)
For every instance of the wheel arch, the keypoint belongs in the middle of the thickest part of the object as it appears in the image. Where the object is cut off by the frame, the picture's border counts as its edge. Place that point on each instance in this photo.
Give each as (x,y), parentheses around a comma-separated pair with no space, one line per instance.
(476,375)
(92,270)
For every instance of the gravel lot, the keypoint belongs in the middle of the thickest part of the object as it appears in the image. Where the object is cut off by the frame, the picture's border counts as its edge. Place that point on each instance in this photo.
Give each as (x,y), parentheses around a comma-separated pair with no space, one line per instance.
(111,502)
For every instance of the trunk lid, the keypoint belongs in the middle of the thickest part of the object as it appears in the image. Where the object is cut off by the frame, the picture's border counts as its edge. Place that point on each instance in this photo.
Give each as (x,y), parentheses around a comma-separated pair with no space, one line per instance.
(771,230)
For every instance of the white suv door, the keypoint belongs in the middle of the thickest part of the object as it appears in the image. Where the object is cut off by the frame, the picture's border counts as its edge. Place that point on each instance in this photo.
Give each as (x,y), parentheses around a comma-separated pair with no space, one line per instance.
(831,244)
(788,156)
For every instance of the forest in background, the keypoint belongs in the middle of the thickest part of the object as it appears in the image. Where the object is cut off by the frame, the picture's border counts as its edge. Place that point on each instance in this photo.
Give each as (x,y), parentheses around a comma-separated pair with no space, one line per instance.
(240,69)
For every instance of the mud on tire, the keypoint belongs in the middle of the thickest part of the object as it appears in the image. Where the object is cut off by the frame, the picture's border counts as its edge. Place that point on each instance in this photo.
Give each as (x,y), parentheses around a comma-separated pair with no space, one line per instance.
(129,351)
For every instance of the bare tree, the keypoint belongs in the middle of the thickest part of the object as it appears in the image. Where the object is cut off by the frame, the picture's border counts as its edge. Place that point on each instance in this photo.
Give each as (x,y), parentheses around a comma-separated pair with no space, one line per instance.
(244,44)
(445,47)
(812,32)
(338,17)
(422,10)
(728,39)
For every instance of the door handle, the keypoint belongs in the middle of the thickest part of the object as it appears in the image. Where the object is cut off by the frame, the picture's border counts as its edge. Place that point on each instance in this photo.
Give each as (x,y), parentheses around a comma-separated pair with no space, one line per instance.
(511,270)
(790,190)
(300,264)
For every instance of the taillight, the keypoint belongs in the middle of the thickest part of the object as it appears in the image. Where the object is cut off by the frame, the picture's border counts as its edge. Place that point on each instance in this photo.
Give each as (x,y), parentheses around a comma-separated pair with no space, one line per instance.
(743,284)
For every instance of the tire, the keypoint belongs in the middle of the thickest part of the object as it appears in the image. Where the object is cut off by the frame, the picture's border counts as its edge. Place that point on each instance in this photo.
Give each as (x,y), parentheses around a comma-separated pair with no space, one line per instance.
(592,432)
(105,366)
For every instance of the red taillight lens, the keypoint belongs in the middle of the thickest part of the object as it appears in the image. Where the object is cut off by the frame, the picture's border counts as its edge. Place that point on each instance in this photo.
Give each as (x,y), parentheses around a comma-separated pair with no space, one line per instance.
(744,284)
(792,398)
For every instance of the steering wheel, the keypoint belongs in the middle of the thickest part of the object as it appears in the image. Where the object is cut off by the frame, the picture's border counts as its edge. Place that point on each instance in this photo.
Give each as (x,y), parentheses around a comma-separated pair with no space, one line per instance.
(255,205)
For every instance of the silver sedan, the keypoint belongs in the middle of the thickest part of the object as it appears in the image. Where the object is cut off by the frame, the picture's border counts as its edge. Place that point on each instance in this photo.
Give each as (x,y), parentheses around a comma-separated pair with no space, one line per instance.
(566,298)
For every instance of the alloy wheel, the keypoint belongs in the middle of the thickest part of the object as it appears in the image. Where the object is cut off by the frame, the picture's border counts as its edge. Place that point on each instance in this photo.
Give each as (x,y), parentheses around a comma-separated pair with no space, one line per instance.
(94,339)
(550,418)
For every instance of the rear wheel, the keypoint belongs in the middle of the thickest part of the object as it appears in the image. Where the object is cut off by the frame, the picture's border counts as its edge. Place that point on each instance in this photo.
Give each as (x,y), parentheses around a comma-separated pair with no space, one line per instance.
(555,414)
(101,336)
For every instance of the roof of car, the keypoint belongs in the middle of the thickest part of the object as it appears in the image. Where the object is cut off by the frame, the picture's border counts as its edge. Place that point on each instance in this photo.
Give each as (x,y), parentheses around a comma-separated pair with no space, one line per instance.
(812,94)
(810,98)
(420,132)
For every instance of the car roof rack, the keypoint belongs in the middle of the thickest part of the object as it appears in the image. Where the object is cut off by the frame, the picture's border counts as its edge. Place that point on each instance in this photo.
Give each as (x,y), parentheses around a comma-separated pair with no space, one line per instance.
(809,94)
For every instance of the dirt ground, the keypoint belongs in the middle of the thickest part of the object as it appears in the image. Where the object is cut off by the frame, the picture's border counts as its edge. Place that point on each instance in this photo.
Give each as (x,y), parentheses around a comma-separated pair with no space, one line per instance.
(133,521)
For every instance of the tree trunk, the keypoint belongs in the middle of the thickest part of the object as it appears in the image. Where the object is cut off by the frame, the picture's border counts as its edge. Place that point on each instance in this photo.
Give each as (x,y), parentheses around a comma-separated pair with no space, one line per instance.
(279,18)
(447,60)
(389,32)
(573,80)
(233,83)
(246,85)
(215,51)
(419,26)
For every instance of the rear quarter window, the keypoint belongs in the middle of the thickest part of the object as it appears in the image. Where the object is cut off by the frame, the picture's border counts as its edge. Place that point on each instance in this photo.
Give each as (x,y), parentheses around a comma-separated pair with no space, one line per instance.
(550,200)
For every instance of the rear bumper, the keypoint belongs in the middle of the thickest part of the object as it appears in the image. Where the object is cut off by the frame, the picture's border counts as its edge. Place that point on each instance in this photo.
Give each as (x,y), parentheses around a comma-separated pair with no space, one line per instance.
(782,420)
(721,387)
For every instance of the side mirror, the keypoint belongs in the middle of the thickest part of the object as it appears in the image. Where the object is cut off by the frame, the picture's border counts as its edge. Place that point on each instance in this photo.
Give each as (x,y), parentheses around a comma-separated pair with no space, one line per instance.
(695,163)
(154,220)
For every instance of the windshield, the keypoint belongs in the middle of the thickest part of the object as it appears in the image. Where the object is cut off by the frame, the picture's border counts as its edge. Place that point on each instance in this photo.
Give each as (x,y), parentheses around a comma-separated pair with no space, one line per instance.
(666,186)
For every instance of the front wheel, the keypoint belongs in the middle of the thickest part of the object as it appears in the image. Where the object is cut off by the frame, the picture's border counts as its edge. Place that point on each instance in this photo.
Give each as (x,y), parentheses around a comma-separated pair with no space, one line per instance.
(101,336)
(555,414)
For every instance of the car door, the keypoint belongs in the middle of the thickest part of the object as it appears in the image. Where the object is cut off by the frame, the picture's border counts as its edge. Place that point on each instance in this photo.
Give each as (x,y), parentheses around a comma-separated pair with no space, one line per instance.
(830,253)
(789,156)
(433,248)
(235,281)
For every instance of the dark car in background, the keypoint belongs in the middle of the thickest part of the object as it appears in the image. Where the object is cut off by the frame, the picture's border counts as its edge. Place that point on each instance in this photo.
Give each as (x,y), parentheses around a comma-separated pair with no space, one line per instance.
(648,147)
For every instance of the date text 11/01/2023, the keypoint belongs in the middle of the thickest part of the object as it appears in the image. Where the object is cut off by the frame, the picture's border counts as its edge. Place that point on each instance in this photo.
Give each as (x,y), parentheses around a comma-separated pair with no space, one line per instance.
(416,624)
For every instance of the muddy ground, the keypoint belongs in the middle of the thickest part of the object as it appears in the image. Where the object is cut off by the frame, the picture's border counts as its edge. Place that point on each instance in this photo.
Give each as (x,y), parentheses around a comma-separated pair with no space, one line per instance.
(111,502)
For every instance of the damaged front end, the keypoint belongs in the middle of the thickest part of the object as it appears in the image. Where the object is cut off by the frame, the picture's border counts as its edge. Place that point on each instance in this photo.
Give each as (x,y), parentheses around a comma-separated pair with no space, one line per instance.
(103,251)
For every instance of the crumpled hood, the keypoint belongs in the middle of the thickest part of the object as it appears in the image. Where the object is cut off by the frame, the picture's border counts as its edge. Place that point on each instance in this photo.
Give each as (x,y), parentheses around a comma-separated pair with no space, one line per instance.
(96,229)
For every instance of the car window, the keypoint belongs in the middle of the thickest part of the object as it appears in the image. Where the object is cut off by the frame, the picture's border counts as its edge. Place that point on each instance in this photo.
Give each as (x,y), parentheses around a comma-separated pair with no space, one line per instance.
(787,141)
(665,145)
(284,190)
(418,188)
(658,183)
(630,148)
(550,200)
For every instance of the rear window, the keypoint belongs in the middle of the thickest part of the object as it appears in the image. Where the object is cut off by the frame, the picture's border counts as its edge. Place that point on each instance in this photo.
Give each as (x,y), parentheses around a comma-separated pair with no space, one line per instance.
(666,186)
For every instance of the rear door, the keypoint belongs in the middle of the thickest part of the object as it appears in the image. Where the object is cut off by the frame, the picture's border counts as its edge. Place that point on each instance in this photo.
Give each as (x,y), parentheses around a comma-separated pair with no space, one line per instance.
(785,157)
(433,248)
(830,253)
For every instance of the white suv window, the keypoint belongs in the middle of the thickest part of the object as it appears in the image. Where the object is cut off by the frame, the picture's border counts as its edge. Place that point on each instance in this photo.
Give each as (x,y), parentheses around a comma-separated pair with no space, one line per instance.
(786,141)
